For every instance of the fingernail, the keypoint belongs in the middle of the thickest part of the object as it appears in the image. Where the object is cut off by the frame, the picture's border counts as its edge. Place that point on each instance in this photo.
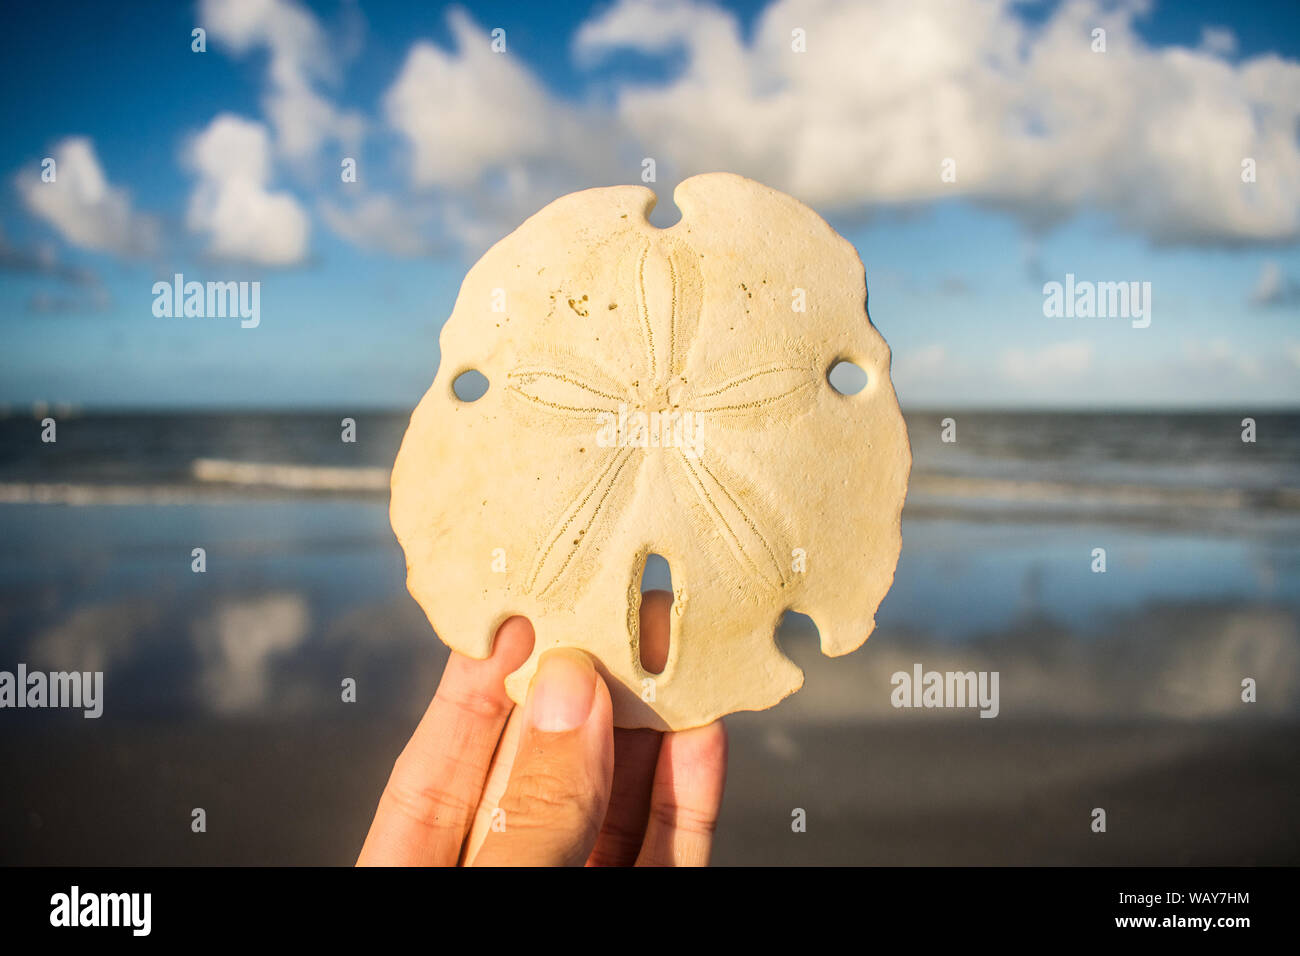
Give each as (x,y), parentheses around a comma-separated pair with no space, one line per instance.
(562,691)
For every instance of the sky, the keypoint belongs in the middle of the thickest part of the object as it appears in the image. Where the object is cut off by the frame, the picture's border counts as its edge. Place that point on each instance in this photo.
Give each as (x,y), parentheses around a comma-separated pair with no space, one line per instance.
(974,152)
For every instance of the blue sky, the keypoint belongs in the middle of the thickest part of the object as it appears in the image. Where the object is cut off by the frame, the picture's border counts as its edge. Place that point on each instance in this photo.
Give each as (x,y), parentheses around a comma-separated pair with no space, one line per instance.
(1120,165)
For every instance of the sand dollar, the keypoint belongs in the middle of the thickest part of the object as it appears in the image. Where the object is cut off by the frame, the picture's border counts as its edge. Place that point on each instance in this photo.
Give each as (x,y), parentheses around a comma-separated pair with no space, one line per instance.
(658,391)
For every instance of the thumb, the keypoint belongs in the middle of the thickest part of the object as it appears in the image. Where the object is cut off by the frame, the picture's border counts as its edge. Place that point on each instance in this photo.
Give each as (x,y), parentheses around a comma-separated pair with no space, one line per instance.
(555,801)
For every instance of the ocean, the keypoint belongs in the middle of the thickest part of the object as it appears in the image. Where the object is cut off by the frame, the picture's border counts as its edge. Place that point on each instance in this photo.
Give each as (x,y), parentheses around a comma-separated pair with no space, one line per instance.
(222,688)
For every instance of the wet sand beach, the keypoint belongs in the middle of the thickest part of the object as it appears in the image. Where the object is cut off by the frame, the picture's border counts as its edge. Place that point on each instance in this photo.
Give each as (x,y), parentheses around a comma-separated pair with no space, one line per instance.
(302,792)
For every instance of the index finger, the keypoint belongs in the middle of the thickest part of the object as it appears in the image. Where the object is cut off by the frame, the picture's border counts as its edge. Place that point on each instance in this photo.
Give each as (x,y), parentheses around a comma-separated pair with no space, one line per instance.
(429,801)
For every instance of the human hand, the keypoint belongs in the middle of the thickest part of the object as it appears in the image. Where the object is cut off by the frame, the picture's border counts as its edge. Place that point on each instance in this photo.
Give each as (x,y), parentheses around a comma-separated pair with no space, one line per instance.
(567,787)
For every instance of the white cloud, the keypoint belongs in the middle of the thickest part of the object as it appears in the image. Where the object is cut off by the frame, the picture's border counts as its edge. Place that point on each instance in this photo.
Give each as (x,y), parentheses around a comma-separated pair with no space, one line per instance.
(1059,362)
(1274,287)
(472,110)
(656,26)
(300,60)
(231,203)
(83,207)
(378,222)
(1219,41)
(487,137)
(1037,122)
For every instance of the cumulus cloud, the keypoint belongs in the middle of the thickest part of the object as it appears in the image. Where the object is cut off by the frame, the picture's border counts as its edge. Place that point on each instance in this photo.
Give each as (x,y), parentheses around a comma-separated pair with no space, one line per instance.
(657,26)
(485,135)
(1274,287)
(378,222)
(1219,41)
(83,207)
(468,110)
(243,219)
(1036,122)
(300,60)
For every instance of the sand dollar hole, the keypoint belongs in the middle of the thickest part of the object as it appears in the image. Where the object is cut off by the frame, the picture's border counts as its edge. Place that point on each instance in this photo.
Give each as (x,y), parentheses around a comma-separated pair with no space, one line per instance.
(846,377)
(656,575)
(470,386)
